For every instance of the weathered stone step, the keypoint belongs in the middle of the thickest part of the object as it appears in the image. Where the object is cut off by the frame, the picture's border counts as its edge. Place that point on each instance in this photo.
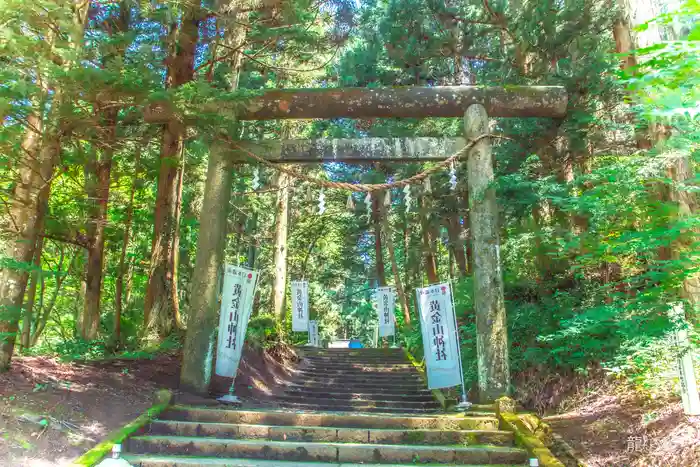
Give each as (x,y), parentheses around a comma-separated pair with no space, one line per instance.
(330,434)
(352,352)
(357,361)
(360,371)
(324,452)
(392,369)
(399,358)
(188,461)
(321,378)
(357,408)
(375,376)
(328,419)
(423,396)
(324,386)
(356,358)
(338,388)
(377,402)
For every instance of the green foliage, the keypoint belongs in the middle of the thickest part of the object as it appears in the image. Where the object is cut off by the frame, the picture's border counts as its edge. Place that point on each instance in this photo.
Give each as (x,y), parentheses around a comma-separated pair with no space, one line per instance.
(262,331)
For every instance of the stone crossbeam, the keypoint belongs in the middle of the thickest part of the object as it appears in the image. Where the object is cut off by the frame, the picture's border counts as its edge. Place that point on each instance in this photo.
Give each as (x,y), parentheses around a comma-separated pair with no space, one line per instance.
(353,150)
(400,102)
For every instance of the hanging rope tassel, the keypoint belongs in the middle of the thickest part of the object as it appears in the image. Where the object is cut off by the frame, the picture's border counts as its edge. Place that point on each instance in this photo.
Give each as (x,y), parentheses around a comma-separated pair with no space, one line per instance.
(407,197)
(368,204)
(350,205)
(256,178)
(453,177)
(387,198)
(321,202)
(426,186)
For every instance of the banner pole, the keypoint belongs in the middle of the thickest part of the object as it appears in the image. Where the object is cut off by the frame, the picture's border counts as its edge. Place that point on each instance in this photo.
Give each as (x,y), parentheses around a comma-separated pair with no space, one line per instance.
(464,404)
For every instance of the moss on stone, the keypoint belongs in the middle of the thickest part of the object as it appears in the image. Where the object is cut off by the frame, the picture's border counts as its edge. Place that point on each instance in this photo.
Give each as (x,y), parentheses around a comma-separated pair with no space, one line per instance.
(528,440)
(415,437)
(99,452)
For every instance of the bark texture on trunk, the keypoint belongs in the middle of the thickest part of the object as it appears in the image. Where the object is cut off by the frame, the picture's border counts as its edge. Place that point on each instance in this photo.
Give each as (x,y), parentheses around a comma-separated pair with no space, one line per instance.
(198,353)
(378,254)
(25,211)
(200,339)
(429,260)
(389,242)
(492,332)
(681,172)
(26,340)
(97,189)
(454,230)
(97,186)
(161,310)
(119,295)
(281,220)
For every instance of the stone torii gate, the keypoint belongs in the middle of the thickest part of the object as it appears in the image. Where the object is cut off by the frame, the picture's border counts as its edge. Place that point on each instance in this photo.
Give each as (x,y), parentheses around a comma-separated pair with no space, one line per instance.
(474,103)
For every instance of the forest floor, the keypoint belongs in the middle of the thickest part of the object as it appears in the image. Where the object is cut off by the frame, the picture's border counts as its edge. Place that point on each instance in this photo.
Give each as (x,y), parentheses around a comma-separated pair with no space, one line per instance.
(51,412)
(606,424)
(609,424)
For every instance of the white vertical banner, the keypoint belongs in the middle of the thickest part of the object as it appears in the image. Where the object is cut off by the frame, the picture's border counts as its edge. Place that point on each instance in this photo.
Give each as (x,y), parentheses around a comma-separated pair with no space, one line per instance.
(300,306)
(236,307)
(313,334)
(438,326)
(686,372)
(385,302)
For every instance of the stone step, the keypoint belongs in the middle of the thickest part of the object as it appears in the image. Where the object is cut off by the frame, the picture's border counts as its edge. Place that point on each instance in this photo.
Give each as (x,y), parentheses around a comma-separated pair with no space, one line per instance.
(391,369)
(317,385)
(381,363)
(188,461)
(352,352)
(377,401)
(422,396)
(375,376)
(369,403)
(381,379)
(357,408)
(360,372)
(324,452)
(328,419)
(356,361)
(343,388)
(330,434)
(356,358)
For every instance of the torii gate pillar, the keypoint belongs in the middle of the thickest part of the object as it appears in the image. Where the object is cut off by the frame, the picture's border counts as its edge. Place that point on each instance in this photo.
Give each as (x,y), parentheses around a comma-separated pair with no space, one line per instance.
(491,330)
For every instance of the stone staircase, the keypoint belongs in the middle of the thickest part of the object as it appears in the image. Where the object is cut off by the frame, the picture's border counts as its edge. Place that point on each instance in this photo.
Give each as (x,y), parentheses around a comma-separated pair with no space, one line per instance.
(346,408)
(365,380)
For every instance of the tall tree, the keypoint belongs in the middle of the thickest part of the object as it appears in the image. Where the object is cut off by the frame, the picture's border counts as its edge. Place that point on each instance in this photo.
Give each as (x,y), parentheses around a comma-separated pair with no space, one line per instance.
(98,170)
(35,173)
(377,204)
(279,287)
(161,310)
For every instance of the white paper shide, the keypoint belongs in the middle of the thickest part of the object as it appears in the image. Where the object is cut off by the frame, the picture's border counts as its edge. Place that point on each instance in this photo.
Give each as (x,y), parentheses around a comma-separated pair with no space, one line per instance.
(438,326)
(300,306)
(385,301)
(236,306)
